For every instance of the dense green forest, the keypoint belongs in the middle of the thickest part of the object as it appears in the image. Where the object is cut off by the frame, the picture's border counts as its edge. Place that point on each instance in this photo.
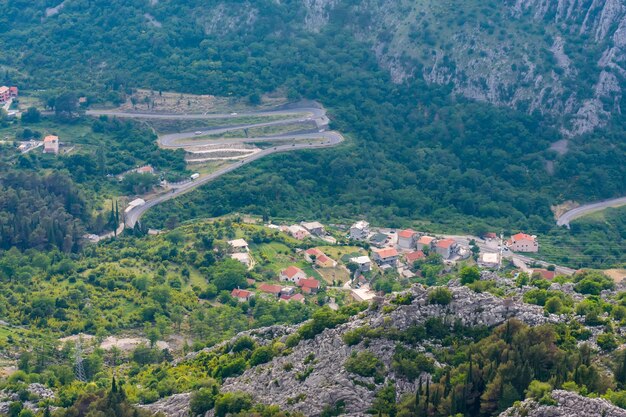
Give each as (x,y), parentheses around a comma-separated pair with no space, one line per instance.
(416,151)
(41,211)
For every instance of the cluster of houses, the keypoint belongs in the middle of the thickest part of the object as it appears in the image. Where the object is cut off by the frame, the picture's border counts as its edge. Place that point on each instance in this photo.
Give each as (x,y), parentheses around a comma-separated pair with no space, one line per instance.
(291,274)
(305,230)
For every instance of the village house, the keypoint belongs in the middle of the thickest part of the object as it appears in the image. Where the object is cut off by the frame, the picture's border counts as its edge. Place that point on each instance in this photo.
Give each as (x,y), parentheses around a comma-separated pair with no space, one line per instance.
(387,256)
(146,169)
(320,258)
(242,257)
(314,228)
(379,240)
(425,241)
(407,239)
(360,230)
(299,298)
(241,295)
(51,144)
(298,232)
(238,245)
(7,93)
(445,248)
(292,274)
(272,289)
(364,263)
(522,242)
(490,236)
(411,257)
(309,285)
(288,290)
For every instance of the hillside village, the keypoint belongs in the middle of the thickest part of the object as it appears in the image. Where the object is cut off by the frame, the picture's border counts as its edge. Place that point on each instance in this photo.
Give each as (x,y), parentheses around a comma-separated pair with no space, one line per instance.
(354,259)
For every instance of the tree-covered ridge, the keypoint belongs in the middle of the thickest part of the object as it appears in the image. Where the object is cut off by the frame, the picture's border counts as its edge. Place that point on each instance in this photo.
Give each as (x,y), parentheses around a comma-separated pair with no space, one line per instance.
(41,211)
(416,152)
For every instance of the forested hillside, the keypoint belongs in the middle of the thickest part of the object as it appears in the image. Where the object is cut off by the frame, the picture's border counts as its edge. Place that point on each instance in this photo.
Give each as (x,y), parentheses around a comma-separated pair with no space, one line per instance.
(417,150)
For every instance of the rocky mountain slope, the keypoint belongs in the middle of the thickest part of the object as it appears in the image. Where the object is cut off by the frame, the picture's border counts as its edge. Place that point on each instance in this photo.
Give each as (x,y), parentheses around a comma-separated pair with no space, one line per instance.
(563,58)
(318,365)
(568,404)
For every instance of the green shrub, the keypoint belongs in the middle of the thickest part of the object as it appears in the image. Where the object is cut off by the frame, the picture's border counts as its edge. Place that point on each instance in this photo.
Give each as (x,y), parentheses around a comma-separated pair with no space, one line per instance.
(440,295)
(364,363)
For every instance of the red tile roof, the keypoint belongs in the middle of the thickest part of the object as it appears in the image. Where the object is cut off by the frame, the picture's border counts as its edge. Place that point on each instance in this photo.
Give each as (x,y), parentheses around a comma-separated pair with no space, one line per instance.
(445,243)
(425,240)
(386,252)
(490,235)
(292,271)
(237,293)
(285,297)
(521,236)
(270,288)
(407,234)
(298,297)
(414,256)
(309,282)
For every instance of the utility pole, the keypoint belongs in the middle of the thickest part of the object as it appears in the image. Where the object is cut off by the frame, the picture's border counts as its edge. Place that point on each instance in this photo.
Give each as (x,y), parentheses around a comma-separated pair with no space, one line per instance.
(80,370)
(501,250)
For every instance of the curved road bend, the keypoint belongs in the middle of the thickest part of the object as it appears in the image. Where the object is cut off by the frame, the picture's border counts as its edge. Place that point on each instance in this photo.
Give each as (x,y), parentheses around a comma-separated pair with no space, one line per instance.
(135,214)
(569,216)
(318,115)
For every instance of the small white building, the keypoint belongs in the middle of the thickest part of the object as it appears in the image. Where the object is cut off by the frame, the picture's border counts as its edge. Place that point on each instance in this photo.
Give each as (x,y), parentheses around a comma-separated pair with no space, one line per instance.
(242,257)
(238,245)
(360,230)
(364,263)
(292,274)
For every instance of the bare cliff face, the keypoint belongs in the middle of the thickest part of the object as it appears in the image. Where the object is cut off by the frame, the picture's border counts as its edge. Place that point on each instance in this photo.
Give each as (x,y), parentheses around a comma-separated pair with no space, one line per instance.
(563,58)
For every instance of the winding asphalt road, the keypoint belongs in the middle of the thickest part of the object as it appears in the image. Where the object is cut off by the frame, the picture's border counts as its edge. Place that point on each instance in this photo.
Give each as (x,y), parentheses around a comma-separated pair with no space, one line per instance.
(317,115)
(569,216)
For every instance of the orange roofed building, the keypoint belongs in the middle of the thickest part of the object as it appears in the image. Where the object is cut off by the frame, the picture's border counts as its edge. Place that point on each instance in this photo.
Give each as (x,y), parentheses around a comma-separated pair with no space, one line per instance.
(292,274)
(241,295)
(385,256)
(522,242)
(51,144)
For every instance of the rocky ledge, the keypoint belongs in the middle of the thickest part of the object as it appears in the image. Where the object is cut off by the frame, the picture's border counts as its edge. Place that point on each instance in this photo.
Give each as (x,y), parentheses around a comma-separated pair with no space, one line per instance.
(569,404)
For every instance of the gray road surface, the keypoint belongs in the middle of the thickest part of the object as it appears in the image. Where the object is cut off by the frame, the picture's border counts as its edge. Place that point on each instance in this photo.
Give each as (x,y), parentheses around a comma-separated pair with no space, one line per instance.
(567,217)
(317,115)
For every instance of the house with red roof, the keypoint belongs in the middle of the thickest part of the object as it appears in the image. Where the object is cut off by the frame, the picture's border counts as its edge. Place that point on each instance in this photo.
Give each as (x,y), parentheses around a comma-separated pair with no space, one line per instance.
(146,169)
(445,247)
(309,285)
(292,274)
(424,241)
(522,242)
(385,256)
(298,298)
(407,239)
(490,235)
(241,295)
(320,258)
(51,144)
(411,257)
(270,289)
